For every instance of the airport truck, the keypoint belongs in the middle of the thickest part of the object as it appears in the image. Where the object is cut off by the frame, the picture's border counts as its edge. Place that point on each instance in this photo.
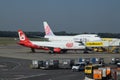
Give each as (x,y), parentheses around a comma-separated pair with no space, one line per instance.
(89,70)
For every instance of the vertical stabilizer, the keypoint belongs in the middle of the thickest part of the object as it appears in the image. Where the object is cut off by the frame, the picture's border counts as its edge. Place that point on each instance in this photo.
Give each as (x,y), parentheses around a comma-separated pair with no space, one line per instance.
(48,31)
(22,36)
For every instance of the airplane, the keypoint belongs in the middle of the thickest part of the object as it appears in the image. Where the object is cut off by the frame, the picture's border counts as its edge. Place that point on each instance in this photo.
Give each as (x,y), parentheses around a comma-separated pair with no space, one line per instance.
(53,47)
(77,38)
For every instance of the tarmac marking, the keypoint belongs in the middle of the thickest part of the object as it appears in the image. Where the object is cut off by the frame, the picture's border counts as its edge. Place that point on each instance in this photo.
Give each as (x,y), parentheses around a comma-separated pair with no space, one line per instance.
(18,64)
(2,66)
(25,77)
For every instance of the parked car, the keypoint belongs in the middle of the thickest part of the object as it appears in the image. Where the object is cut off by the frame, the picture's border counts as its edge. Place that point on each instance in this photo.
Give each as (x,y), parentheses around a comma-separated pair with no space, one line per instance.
(78,66)
(115,60)
(118,64)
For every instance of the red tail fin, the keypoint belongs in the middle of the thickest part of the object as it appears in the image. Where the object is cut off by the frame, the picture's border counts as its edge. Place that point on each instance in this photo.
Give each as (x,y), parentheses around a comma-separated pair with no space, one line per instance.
(22,36)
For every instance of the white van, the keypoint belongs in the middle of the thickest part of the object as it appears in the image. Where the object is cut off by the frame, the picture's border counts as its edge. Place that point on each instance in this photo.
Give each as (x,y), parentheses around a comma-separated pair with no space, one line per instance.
(79,66)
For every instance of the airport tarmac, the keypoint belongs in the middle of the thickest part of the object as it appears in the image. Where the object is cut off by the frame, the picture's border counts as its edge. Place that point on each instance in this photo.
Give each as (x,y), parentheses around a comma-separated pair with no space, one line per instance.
(15,63)
(19,69)
(16,51)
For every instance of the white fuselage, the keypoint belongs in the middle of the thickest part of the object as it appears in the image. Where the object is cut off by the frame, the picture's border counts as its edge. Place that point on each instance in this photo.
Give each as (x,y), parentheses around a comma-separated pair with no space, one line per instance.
(62,45)
(77,38)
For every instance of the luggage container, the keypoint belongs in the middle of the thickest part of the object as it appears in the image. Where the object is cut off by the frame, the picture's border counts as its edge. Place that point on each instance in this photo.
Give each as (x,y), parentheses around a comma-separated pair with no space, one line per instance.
(97,74)
(94,60)
(67,64)
(87,60)
(53,64)
(50,64)
(37,64)
(80,60)
(115,73)
(45,65)
(104,71)
(101,61)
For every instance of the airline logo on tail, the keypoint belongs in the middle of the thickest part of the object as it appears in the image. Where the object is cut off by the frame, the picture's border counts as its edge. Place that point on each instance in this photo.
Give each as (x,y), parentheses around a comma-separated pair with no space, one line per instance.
(22,36)
(48,31)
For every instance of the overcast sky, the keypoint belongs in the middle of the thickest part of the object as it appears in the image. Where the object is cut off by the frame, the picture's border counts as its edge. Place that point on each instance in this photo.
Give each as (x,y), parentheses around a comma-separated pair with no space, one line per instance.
(62,15)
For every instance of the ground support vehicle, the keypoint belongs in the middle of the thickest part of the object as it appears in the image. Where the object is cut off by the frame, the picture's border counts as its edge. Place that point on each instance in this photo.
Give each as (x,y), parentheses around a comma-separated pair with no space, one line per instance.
(78,66)
(115,60)
(118,64)
(102,73)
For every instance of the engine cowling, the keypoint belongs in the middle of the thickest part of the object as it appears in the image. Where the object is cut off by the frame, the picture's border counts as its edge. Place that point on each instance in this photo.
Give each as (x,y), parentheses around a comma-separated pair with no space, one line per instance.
(57,50)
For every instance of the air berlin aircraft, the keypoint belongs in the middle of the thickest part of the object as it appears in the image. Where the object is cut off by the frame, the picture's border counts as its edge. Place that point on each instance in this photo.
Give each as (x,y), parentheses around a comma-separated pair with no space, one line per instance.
(53,47)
